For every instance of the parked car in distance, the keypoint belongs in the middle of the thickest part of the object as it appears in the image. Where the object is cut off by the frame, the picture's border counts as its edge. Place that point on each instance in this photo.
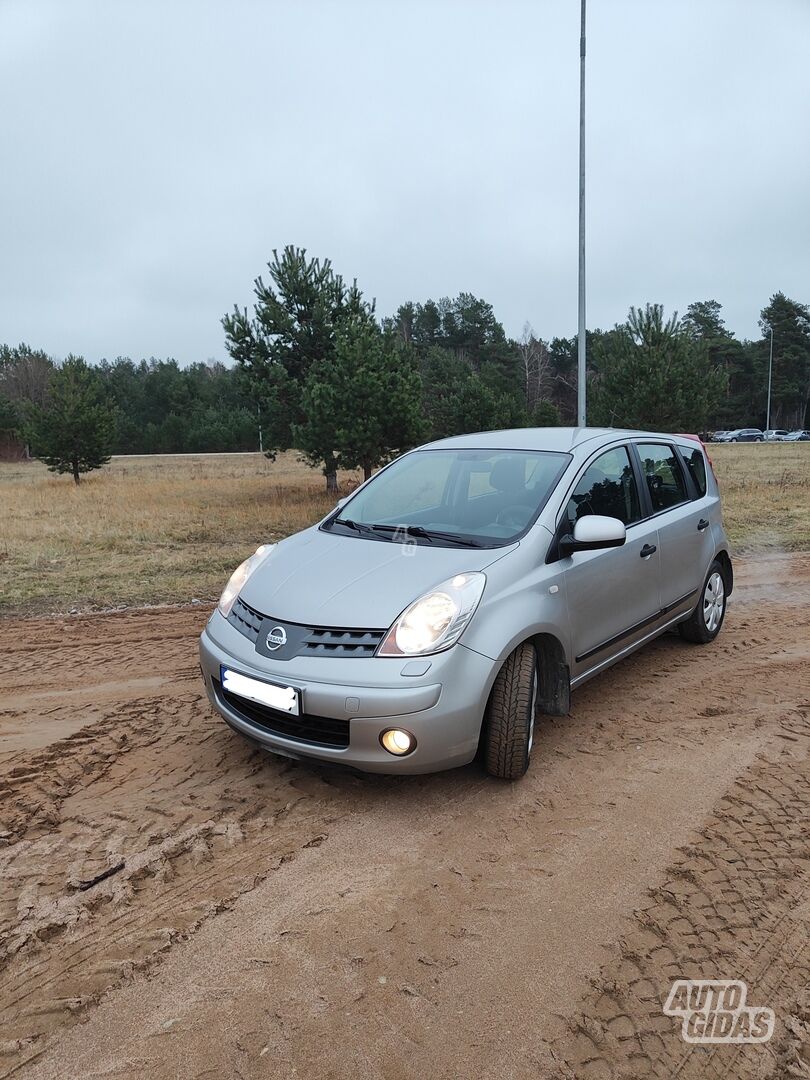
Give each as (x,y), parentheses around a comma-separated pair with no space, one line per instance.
(468,586)
(745,434)
(716,436)
(797,436)
(774,435)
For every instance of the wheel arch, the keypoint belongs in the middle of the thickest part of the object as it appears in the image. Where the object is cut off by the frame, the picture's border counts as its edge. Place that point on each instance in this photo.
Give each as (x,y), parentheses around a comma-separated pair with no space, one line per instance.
(554,697)
(554,694)
(724,559)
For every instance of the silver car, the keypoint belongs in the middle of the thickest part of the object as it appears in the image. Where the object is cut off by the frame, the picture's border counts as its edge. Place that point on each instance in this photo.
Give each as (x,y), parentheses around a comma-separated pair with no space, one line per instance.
(466,587)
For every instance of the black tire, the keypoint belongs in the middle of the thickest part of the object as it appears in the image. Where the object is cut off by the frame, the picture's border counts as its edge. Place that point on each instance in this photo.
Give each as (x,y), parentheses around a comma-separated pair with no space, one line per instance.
(701,626)
(509,719)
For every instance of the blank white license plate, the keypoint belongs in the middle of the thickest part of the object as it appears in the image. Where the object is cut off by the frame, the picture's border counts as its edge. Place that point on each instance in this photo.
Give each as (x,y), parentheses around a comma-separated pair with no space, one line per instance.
(283,698)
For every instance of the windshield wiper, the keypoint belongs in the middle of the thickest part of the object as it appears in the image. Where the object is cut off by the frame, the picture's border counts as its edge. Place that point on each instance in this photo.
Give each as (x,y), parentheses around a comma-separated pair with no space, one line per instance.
(427,534)
(409,530)
(356,525)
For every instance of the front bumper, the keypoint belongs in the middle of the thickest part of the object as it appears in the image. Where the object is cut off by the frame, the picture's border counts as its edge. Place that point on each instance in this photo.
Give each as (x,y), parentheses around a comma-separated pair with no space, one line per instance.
(442,708)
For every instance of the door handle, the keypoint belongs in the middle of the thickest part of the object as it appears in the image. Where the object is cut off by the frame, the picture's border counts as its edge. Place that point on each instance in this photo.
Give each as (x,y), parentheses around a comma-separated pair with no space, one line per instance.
(647,550)
(702,524)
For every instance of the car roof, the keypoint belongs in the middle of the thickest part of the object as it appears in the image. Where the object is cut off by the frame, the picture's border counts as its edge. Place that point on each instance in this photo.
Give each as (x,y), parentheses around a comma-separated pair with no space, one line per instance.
(557,439)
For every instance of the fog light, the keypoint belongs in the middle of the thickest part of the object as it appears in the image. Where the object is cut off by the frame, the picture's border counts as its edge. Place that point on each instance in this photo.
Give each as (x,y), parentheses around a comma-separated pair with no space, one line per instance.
(398,742)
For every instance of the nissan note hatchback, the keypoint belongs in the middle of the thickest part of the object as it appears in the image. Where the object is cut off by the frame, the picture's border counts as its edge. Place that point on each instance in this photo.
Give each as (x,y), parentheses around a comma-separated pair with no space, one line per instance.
(466,587)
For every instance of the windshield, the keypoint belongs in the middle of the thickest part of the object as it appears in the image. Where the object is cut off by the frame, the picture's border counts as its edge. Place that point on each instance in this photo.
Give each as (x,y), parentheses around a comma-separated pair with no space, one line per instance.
(481,498)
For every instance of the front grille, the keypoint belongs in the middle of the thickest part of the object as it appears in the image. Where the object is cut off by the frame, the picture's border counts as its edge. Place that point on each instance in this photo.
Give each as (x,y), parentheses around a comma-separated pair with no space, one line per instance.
(315,730)
(314,640)
(324,641)
(246,619)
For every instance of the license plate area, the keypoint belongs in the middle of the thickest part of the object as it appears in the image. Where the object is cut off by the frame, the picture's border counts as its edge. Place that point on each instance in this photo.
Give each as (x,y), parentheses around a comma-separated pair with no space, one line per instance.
(286,699)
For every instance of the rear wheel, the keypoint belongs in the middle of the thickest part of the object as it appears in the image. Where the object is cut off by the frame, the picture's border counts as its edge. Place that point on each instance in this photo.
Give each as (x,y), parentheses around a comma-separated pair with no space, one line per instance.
(509,720)
(703,625)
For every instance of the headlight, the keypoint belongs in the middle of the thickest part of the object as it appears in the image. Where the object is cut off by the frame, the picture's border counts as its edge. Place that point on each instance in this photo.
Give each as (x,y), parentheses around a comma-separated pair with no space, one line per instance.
(240,576)
(436,620)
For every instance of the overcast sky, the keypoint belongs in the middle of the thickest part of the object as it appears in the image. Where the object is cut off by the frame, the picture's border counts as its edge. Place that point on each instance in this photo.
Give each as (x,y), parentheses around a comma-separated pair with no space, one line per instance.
(155,153)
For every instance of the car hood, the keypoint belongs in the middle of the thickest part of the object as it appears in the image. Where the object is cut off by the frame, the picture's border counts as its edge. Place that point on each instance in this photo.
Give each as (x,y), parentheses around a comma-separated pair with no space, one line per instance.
(320,578)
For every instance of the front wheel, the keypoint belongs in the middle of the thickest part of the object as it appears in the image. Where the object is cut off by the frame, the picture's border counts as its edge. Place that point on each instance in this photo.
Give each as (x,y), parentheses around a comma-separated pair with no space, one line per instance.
(703,625)
(509,719)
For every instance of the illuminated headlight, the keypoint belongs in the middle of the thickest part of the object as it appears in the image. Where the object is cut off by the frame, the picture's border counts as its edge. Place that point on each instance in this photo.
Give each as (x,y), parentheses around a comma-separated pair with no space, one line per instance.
(240,576)
(436,620)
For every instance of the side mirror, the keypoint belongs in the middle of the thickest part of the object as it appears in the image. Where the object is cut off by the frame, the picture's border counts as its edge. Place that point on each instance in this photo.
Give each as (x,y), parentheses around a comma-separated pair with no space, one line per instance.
(593,532)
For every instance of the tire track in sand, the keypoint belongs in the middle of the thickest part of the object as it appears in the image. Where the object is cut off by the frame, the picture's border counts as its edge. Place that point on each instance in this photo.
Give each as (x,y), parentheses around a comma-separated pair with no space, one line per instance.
(488,908)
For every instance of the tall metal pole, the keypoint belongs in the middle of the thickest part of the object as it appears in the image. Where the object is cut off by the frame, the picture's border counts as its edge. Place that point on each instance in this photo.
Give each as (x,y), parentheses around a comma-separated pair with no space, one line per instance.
(770,371)
(581,412)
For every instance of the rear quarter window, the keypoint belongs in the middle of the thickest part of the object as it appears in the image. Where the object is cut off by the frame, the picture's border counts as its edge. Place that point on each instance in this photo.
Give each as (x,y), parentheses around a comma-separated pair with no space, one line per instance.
(696,464)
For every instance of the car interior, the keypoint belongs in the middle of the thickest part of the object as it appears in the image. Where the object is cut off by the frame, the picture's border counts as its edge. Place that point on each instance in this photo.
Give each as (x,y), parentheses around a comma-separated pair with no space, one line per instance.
(491,495)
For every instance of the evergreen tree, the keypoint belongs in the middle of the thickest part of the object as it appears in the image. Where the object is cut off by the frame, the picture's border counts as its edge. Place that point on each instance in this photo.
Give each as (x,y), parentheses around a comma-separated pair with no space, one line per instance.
(703,321)
(790,389)
(73,431)
(651,374)
(704,324)
(294,326)
(456,400)
(466,331)
(364,404)
(544,414)
(9,418)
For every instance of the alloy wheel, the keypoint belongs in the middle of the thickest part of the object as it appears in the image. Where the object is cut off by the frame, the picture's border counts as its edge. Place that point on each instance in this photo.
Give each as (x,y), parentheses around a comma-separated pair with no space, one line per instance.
(714,599)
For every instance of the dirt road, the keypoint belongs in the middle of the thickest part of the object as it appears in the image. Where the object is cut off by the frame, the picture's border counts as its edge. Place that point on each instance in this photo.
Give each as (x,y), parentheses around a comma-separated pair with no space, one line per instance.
(261,918)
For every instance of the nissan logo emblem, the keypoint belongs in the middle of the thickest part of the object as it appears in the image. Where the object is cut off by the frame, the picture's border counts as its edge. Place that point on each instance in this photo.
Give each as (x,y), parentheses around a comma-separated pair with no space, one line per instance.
(276,638)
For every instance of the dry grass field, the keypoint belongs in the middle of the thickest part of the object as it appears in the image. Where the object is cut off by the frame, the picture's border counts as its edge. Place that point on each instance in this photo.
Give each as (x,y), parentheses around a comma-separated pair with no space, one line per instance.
(161,529)
(766,495)
(145,530)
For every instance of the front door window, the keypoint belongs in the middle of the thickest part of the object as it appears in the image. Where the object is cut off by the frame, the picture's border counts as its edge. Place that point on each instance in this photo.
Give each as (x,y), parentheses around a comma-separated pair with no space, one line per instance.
(608,487)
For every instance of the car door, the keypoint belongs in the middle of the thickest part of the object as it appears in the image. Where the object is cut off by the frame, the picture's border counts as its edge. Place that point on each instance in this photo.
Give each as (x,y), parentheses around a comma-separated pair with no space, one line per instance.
(683,522)
(612,594)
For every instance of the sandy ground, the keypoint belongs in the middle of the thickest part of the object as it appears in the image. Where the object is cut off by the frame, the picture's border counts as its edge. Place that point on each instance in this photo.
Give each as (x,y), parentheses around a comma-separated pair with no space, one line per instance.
(270,919)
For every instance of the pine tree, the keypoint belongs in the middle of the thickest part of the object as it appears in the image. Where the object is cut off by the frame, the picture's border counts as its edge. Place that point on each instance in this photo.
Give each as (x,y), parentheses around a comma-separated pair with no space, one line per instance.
(704,324)
(294,326)
(73,431)
(364,404)
(790,322)
(653,375)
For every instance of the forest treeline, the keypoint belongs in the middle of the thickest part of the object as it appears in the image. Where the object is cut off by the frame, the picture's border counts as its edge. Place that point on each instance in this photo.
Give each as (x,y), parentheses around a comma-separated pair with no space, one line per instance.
(316,368)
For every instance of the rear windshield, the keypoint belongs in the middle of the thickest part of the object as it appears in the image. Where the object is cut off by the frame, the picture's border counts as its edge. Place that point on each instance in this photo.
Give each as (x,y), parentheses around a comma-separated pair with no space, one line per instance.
(487,497)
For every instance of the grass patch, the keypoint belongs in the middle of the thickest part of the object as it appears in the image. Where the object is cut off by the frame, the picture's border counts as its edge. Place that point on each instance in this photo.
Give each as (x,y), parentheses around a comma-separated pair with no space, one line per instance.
(766,495)
(145,530)
(169,529)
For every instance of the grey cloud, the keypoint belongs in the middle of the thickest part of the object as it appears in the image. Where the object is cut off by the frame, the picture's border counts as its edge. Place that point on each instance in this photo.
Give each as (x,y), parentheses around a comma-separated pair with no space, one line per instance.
(156,153)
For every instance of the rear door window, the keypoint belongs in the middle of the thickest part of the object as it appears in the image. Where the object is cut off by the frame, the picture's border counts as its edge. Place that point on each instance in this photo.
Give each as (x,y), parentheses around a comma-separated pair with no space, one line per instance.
(663,476)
